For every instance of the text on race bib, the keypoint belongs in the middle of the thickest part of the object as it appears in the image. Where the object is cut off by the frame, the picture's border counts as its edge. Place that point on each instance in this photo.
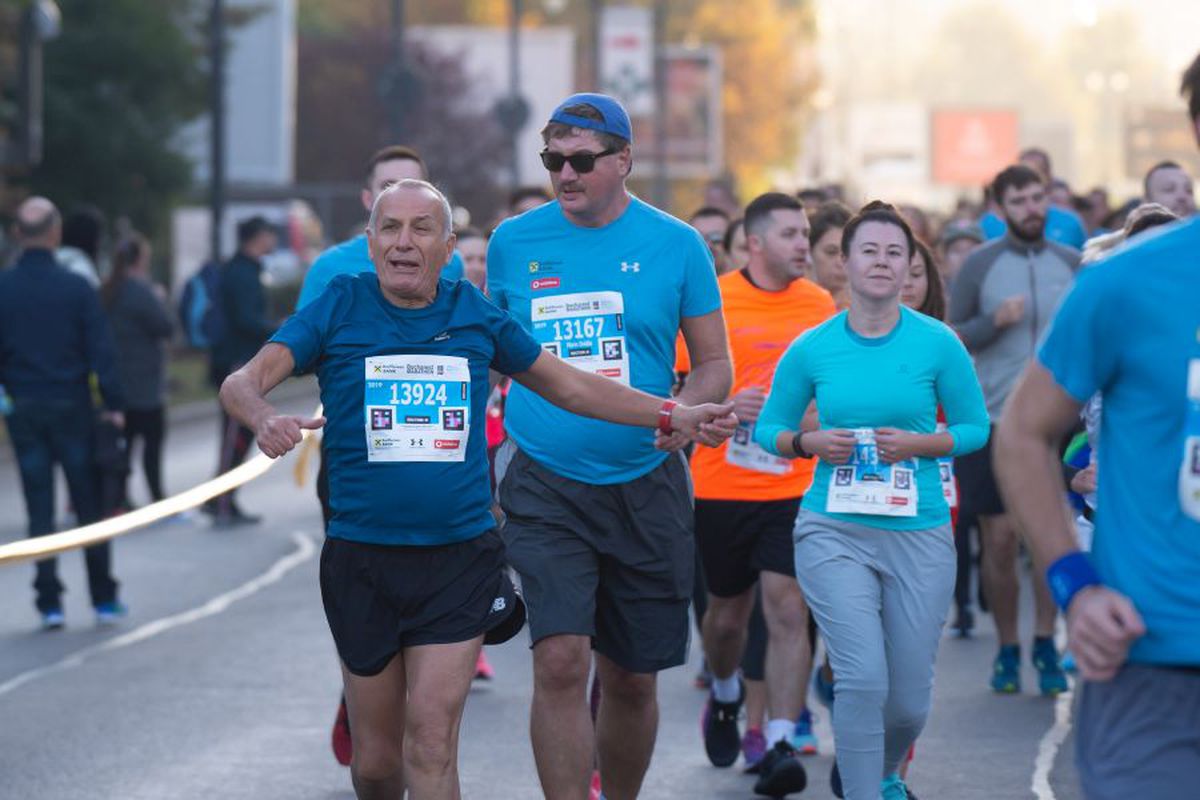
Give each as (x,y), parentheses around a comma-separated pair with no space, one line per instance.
(587,330)
(417,408)
(867,486)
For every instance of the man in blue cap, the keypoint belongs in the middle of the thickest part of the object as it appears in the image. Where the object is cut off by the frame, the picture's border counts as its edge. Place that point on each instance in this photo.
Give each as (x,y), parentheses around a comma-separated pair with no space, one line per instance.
(599,518)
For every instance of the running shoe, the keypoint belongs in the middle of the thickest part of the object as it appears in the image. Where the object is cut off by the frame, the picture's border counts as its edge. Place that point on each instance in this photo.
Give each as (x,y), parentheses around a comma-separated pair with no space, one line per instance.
(835,781)
(594,792)
(754,747)
(53,620)
(780,772)
(823,688)
(1006,670)
(893,788)
(1068,662)
(110,613)
(483,670)
(803,738)
(343,747)
(722,742)
(1052,680)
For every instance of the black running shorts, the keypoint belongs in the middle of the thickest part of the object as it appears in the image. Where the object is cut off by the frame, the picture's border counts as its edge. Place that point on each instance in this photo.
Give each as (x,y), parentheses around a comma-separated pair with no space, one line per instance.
(740,538)
(613,562)
(380,599)
(977,489)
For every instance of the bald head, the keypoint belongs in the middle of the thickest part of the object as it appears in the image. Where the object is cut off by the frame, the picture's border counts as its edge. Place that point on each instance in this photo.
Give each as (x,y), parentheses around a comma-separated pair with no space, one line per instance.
(38,223)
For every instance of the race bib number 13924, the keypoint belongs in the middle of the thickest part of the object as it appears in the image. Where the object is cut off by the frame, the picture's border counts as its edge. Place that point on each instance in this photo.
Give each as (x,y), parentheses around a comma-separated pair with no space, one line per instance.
(417,408)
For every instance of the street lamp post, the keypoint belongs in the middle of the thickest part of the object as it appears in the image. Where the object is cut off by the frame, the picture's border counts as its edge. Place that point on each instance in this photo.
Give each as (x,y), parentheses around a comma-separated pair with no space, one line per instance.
(216,199)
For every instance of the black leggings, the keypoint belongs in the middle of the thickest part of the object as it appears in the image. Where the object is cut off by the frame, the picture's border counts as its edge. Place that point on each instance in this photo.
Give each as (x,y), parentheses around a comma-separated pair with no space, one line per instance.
(150,426)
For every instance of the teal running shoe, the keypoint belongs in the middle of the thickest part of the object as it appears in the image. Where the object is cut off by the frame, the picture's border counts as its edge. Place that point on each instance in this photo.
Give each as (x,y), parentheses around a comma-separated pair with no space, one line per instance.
(1052,681)
(1006,670)
(803,738)
(893,788)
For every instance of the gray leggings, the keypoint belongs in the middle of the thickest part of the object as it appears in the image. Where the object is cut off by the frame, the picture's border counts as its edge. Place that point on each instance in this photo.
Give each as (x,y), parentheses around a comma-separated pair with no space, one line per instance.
(880,599)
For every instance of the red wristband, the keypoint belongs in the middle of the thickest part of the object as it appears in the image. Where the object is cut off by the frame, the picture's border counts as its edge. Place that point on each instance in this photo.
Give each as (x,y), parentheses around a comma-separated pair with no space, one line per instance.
(664,417)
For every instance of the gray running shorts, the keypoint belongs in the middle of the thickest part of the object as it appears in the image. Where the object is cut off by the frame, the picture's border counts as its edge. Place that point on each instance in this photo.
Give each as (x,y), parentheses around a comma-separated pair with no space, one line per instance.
(1138,735)
(613,562)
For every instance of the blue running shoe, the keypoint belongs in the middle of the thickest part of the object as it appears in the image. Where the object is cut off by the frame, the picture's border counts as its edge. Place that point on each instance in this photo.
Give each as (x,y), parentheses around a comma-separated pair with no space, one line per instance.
(803,738)
(1068,662)
(823,688)
(53,620)
(892,788)
(110,613)
(1006,670)
(1052,680)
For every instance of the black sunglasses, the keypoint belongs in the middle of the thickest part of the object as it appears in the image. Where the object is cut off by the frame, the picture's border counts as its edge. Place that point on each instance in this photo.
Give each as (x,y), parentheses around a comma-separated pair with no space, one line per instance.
(582,163)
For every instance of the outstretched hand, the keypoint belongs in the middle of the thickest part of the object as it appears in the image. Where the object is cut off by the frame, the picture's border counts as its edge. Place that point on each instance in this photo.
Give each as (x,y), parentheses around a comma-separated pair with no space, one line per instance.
(709,424)
(279,433)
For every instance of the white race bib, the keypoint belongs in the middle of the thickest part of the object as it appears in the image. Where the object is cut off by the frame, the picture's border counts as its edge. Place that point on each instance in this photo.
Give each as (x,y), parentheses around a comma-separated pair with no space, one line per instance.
(742,451)
(946,473)
(865,486)
(587,330)
(417,408)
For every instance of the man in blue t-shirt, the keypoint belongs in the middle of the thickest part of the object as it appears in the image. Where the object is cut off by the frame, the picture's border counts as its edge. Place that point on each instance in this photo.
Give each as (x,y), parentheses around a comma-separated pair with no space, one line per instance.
(412,558)
(1133,609)
(599,519)
(351,257)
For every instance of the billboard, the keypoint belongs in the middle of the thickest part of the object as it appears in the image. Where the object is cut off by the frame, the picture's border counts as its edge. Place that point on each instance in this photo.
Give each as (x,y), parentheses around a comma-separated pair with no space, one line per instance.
(627,57)
(695,141)
(971,145)
(1158,134)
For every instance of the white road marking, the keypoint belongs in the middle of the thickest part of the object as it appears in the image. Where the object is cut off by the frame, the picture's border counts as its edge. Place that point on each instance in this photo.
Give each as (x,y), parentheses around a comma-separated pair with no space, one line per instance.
(1048,748)
(304,551)
(1053,738)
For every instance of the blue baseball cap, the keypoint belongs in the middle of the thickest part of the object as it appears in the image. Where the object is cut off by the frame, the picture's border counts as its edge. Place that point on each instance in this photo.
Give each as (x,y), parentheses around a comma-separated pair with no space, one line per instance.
(616,120)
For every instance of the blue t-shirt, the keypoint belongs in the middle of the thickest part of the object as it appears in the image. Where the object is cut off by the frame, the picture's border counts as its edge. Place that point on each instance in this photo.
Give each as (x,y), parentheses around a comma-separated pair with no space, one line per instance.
(352,257)
(894,381)
(1129,329)
(608,300)
(407,454)
(1062,226)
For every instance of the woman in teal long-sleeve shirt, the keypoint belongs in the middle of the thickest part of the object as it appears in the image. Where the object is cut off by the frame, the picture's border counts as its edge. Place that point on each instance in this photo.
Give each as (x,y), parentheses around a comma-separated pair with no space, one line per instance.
(874,551)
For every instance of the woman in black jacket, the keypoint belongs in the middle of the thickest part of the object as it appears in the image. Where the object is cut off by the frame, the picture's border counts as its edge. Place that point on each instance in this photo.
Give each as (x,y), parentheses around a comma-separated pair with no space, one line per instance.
(142,327)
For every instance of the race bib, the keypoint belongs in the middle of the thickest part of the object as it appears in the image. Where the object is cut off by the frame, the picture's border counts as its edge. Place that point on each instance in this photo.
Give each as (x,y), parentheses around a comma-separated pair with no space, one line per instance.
(865,486)
(417,408)
(946,473)
(587,330)
(743,452)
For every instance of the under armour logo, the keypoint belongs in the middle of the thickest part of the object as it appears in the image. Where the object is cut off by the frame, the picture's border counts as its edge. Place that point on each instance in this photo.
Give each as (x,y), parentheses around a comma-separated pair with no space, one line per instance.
(441,337)
(635,266)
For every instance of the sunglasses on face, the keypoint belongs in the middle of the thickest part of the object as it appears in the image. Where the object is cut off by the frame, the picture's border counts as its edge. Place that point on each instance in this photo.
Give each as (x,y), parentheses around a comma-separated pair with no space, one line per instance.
(582,163)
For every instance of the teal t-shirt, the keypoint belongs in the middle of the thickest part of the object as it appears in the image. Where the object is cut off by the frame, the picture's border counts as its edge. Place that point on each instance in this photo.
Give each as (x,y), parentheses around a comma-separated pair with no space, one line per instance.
(608,300)
(405,394)
(896,381)
(1129,329)
(352,257)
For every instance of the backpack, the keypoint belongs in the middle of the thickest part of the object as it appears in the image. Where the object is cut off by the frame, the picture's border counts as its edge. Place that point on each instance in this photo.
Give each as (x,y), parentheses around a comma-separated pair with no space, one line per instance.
(200,309)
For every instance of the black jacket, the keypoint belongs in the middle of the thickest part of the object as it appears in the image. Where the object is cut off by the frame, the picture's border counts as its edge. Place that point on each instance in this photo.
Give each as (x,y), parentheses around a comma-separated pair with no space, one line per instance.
(141,327)
(244,302)
(53,335)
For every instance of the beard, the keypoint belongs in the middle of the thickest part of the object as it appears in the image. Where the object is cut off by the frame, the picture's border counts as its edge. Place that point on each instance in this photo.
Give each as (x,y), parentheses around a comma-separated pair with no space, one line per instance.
(1032,229)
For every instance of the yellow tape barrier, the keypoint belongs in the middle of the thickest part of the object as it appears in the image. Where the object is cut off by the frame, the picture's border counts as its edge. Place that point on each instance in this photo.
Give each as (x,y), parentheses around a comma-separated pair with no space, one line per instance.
(55,543)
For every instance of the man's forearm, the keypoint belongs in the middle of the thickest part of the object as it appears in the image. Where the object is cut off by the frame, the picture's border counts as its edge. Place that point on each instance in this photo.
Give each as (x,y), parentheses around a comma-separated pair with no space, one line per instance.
(708,382)
(244,401)
(1031,478)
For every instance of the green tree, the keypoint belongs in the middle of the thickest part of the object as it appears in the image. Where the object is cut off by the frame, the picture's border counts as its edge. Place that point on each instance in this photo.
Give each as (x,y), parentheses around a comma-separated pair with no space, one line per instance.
(120,82)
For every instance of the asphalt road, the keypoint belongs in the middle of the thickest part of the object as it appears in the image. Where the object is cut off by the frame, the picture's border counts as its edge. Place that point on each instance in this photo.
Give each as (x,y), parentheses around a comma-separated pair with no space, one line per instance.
(223,680)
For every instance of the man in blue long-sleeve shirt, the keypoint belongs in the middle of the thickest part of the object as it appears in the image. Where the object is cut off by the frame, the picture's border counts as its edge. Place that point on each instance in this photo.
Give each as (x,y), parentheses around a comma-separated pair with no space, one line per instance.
(53,337)
(244,305)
